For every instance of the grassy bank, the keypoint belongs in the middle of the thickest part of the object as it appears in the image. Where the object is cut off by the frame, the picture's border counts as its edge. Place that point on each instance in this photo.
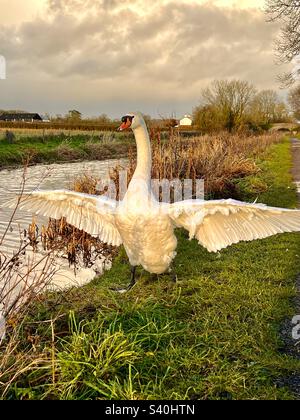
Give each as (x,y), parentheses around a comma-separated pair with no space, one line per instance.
(212,335)
(62,148)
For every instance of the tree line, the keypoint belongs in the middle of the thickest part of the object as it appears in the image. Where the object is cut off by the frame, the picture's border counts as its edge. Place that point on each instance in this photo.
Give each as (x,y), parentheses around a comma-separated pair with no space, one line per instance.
(231,105)
(234,105)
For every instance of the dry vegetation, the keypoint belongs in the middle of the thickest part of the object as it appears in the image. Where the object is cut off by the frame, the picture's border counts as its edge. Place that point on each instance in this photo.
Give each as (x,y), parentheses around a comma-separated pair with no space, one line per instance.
(73,242)
(219,160)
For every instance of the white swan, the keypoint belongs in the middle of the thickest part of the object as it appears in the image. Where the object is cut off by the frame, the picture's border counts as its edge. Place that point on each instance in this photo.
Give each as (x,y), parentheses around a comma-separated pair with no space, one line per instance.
(146,227)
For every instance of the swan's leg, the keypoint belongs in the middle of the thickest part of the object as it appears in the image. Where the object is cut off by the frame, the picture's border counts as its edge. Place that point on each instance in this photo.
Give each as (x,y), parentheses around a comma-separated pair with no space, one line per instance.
(131,284)
(132,280)
(173,274)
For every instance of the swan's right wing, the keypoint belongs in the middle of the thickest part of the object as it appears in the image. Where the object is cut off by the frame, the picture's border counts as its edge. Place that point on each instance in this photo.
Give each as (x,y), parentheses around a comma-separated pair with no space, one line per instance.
(90,213)
(219,223)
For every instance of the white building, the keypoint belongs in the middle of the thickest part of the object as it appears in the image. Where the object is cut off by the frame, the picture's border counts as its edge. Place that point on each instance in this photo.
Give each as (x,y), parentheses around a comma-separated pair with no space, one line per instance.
(186,120)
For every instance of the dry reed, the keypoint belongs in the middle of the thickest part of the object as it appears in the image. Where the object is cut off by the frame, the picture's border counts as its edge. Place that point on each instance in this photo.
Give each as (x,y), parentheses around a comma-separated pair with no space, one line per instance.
(218,160)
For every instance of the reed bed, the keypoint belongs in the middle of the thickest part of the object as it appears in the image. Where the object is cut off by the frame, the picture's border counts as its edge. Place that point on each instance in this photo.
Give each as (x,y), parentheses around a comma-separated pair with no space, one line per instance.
(219,160)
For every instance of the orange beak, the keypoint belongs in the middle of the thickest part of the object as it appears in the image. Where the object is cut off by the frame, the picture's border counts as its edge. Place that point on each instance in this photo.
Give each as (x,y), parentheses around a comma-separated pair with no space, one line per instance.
(126,124)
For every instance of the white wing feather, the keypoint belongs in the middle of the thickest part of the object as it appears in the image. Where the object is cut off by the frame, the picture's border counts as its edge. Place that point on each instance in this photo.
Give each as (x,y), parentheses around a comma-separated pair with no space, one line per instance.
(219,223)
(90,213)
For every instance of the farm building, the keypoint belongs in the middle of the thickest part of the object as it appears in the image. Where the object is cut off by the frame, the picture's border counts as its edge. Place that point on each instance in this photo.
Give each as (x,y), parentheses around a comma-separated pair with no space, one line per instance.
(27,117)
(186,120)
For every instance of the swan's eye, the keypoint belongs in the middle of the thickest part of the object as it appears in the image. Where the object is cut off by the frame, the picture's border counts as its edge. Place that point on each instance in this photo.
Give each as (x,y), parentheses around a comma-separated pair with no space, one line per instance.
(126,118)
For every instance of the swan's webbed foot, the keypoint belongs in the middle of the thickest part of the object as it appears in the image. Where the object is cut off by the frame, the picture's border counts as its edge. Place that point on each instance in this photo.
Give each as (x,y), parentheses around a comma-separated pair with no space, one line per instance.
(131,284)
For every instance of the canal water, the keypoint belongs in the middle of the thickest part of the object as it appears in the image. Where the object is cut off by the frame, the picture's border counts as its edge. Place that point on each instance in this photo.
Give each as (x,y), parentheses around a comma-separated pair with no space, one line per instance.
(46,177)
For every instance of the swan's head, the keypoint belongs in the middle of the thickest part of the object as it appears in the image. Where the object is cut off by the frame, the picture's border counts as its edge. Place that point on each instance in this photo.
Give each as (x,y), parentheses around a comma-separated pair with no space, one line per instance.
(132,120)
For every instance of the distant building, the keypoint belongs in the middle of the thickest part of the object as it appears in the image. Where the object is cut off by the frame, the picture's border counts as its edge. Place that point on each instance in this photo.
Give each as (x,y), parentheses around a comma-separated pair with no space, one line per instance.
(26,117)
(45,118)
(186,120)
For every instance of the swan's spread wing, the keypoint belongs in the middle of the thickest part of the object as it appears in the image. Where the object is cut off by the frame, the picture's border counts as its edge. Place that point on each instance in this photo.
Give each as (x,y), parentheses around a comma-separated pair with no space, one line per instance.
(219,223)
(93,214)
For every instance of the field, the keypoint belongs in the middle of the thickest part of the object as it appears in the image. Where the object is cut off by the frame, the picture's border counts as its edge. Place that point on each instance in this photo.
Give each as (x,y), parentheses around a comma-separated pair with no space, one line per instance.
(214,334)
(19,146)
(34,146)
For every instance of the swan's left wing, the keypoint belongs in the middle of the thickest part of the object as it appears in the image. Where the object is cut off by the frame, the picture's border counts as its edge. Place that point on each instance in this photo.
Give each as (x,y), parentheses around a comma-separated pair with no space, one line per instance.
(93,214)
(219,223)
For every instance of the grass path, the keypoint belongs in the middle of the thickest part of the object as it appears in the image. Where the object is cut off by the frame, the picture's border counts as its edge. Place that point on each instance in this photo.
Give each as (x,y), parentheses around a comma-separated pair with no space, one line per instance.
(296,164)
(290,345)
(212,335)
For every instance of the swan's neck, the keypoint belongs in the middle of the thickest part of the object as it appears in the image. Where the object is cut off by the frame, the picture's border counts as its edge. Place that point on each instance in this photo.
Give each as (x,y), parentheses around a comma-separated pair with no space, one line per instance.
(144,161)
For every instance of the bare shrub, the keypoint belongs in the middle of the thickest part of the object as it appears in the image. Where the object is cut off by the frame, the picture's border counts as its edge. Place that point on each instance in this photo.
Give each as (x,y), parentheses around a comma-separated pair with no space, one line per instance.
(10,137)
(22,275)
(65,151)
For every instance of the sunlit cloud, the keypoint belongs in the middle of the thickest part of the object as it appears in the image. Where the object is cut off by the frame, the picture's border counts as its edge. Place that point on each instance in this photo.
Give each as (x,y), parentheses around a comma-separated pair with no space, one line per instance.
(18,11)
(105,55)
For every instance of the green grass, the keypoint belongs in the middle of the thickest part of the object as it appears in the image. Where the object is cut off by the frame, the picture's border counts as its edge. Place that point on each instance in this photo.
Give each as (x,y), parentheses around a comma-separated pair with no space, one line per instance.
(275,177)
(62,148)
(212,335)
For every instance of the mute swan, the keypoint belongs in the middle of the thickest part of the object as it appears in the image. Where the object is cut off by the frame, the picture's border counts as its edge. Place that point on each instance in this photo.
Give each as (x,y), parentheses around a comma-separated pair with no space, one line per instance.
(146,227)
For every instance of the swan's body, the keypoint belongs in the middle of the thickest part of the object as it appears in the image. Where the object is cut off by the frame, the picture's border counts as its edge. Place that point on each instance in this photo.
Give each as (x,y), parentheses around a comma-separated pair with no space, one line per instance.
(147,233)
(146,227)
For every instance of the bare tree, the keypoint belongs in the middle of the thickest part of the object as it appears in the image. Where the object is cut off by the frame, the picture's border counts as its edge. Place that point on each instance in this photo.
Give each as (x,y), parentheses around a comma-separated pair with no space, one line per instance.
(103,118)
(267,108)
(294,101)
(287,46)
(73,114)
(230,98)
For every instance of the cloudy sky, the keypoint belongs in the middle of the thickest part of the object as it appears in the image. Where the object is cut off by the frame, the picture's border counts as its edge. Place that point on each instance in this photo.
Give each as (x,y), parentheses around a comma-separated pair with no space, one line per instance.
(113,56)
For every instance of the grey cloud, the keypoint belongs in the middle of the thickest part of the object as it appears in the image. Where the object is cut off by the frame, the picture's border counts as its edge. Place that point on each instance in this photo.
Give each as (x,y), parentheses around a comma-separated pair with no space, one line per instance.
(172,50)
